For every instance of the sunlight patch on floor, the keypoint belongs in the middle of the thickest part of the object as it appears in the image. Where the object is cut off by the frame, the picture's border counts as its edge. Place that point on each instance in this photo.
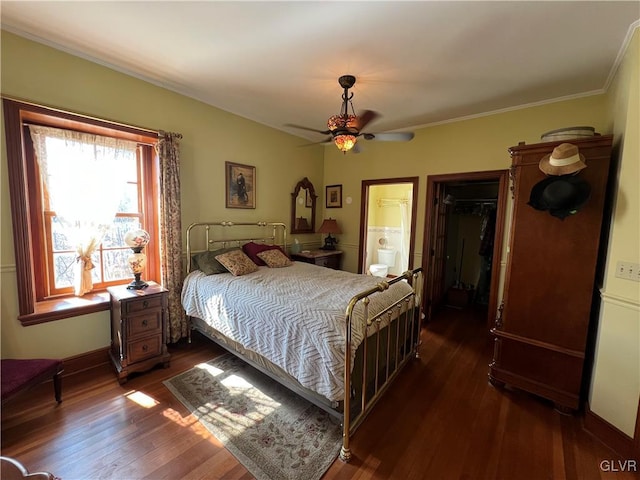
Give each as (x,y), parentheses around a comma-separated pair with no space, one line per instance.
(191,422)
(242,407)
(213,371)
(142,399)
(234,382)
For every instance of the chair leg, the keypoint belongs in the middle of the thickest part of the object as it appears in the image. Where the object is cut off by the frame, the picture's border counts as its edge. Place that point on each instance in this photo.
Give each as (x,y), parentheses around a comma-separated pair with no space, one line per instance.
(57,386)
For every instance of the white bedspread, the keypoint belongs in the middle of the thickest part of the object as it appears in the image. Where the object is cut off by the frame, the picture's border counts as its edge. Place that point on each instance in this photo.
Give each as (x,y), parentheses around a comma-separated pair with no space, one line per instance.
(293,316)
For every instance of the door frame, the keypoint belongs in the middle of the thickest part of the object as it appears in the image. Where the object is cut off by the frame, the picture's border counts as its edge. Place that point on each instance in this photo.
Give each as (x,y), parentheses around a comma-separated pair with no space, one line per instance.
(435,224)
(364,213)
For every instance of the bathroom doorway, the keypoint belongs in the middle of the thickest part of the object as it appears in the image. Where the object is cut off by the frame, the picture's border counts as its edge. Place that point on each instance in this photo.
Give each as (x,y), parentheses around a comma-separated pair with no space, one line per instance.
(387,226)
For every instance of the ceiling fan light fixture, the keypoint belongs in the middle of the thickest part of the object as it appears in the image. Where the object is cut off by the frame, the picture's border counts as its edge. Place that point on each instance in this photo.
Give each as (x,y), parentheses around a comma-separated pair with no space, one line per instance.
(337,122)
(345,128)
(344,142)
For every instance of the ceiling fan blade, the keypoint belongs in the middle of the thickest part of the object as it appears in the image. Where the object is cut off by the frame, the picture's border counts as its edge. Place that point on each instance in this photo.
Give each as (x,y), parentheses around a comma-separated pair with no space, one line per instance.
(323,132)
(365,118)
(390,137)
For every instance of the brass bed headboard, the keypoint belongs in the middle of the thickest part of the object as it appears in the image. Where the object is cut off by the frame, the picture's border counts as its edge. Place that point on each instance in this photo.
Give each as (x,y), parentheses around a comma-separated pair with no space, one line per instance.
(278,235)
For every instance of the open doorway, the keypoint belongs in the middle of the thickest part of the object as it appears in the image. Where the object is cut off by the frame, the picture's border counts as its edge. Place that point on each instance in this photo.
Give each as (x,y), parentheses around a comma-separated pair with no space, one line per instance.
(463,241)
(387,226)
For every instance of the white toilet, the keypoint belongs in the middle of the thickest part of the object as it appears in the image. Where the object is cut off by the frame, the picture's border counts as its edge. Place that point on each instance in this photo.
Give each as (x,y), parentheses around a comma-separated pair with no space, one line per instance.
(386,259)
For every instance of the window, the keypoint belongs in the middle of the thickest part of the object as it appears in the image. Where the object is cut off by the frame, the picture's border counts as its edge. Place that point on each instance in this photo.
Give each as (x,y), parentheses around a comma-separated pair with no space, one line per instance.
(46,207)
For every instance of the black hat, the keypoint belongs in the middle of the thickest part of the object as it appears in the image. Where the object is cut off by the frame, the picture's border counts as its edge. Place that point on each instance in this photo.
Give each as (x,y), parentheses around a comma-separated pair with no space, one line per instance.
(562,196)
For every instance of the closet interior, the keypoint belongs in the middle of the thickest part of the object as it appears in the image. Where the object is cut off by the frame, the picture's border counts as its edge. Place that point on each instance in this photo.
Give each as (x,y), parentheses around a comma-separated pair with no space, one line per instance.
(470,227)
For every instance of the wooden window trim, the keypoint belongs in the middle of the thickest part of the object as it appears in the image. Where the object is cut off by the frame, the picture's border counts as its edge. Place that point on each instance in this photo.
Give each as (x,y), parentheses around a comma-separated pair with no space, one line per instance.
(66,307)
(31,311)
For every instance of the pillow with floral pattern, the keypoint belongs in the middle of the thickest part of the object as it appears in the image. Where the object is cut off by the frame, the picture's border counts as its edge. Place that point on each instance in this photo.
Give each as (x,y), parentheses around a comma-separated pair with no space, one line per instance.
(237,262)
(274,258)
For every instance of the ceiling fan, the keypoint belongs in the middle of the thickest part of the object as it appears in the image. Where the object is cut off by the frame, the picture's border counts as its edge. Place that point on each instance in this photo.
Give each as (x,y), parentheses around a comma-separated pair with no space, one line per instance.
(345,129)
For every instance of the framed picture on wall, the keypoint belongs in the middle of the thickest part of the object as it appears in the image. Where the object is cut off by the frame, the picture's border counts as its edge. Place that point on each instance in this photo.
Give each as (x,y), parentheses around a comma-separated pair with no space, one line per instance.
(240,185)
(334,196)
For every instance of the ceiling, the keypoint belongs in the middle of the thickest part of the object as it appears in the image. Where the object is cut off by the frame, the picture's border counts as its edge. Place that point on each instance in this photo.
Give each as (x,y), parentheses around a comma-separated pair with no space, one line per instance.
(416,63)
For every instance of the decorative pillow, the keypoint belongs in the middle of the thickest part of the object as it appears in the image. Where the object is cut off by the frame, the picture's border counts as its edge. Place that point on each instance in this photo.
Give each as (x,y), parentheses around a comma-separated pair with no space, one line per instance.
(252,250)
(275,258)
(194,262)
(206,261)
(237,262)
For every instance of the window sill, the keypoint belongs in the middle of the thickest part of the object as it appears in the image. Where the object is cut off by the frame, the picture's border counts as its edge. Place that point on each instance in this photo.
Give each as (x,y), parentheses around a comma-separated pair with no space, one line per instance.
(67,307)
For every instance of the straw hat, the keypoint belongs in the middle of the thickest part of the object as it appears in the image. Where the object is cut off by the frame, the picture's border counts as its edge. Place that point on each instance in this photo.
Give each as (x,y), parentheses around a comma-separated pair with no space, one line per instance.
(560,195)
(564,160)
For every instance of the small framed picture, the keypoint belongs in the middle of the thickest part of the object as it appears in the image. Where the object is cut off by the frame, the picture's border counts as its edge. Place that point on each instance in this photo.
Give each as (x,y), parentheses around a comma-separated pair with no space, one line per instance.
(334,196)
(240,185)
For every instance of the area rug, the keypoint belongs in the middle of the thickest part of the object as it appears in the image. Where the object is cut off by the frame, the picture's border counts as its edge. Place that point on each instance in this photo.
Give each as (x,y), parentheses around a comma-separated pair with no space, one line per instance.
(273,432)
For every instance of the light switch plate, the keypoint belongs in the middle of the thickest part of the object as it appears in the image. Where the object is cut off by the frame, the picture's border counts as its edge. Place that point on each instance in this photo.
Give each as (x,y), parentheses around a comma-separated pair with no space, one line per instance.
(628,271)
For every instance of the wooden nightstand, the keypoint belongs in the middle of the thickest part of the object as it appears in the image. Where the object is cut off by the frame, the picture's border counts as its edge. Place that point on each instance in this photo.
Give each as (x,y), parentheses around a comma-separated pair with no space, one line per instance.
(324,258)
(138,338)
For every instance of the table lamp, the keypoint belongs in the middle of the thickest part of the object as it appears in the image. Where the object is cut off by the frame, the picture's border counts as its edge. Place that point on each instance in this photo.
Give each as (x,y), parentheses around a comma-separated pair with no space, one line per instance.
(329,226)
(137,240)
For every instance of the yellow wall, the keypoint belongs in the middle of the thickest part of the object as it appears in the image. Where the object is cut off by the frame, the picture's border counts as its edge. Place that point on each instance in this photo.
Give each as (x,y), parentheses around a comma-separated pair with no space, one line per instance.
(40,74)
(615,387)
(381,216)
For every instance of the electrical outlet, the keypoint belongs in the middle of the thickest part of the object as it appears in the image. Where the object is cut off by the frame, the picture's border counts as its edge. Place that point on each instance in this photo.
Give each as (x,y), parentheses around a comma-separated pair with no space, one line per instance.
(628,271)
(621,269)
(632,270)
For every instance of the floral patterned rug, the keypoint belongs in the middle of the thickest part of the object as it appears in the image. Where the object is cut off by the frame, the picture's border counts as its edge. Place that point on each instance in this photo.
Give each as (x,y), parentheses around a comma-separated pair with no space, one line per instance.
(273,432)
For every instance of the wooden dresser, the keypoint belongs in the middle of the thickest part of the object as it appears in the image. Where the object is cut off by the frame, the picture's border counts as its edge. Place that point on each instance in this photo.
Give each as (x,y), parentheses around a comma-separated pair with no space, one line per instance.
(324,258)
(138,326)
(543,325)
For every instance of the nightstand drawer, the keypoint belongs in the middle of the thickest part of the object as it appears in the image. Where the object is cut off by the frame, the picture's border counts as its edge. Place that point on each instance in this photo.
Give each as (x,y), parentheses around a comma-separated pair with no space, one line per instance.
(145,324)
(142,304)
(322,258)
(145,348)
(329,262)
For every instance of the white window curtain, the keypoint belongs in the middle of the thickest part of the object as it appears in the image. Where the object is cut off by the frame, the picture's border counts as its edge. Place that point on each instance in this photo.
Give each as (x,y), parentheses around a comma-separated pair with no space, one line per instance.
(80,173)
(405,232)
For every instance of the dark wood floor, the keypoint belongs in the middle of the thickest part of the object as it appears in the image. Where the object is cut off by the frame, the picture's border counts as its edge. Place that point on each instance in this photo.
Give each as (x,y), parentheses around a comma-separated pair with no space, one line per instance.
(442,421)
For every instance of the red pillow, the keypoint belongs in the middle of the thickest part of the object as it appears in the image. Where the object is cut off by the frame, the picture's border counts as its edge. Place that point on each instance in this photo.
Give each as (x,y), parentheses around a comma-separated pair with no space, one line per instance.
(252,250)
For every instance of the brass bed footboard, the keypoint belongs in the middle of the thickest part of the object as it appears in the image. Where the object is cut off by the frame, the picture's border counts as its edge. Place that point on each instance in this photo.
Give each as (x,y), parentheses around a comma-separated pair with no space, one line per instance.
(394,346)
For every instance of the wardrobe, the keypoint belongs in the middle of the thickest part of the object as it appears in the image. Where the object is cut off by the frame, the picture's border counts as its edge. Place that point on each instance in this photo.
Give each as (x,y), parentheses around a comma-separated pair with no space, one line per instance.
(542,327)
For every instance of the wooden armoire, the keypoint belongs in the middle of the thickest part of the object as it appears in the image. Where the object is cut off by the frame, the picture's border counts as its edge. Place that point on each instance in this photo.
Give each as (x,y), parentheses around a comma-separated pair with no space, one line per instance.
(543,322)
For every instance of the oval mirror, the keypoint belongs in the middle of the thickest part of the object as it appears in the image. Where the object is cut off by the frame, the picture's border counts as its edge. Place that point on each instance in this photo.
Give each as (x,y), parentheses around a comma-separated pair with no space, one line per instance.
(303,207)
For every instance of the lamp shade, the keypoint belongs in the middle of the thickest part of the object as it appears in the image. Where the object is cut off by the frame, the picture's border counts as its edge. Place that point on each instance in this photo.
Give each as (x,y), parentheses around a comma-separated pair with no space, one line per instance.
(329,225)
(345,142)
(302,224)
(137,238)
(342,121)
